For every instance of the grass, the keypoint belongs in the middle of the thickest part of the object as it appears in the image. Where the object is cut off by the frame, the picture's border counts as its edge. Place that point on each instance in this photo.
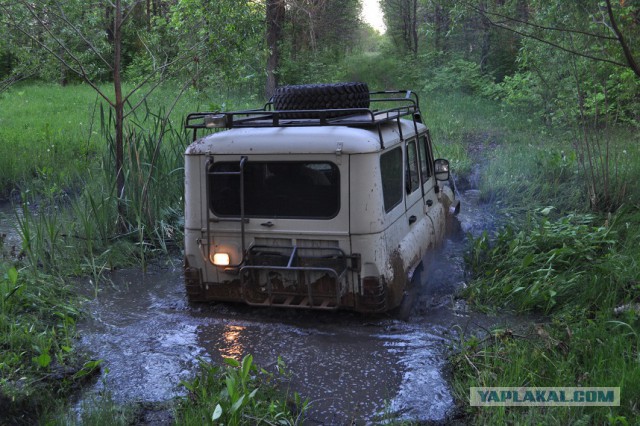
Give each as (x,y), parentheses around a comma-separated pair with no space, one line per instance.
(68,220)
(575,268)
(239,393)
(50,134)
(37,333)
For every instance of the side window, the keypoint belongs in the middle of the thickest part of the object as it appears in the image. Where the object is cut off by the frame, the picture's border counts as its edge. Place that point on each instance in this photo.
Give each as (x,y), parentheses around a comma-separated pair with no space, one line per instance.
(425,159)
(391,174)
(413,180)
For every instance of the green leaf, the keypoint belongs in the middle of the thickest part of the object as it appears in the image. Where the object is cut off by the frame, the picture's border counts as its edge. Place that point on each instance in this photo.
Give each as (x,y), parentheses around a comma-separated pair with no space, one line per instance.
(232,362)
(237,404)
(546,211)
(43,360)
(247,361)
(231,387)
(253,393)
(12,274)
(528,259)
(217,413)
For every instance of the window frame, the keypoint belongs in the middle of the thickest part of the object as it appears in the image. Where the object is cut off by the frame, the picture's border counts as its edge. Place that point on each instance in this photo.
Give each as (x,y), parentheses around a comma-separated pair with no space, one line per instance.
(387,180)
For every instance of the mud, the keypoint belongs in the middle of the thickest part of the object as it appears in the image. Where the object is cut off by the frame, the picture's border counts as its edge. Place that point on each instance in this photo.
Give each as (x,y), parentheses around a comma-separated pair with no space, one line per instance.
(352,368)
(10,243)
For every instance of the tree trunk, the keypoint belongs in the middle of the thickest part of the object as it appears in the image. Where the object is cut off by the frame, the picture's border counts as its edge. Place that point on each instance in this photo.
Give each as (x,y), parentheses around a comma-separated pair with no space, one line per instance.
(485,27)
(275,21)
(118,106)
(414,28)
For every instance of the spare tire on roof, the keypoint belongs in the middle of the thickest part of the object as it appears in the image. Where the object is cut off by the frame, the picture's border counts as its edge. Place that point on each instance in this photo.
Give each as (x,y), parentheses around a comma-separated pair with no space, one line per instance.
(321,97)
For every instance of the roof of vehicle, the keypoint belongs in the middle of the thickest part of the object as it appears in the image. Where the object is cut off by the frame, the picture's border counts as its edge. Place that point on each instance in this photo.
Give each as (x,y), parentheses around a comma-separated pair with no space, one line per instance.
(306,140)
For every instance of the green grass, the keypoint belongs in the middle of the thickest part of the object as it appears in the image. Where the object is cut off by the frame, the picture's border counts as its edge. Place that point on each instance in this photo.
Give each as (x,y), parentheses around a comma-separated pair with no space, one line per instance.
(570,267)
(49,134)
(239,393)
(37,333)
(45,133)
(578,271)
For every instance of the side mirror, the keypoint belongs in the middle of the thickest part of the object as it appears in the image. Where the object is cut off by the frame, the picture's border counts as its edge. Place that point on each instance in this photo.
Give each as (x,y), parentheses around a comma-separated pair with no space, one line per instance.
(442,169)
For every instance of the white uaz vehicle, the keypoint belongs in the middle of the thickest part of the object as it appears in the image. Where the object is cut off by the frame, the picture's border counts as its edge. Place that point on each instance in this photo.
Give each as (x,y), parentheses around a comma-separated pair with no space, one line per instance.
(317,201)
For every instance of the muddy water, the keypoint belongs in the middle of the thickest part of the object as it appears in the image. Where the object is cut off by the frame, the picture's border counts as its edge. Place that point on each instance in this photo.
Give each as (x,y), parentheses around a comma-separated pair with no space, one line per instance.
(10,243)
(350,367)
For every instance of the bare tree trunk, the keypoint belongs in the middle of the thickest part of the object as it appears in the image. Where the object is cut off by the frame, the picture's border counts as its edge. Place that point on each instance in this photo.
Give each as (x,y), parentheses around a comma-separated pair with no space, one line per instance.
(442,27)
(275,21)
(118,105)
(148,7)
(485,26)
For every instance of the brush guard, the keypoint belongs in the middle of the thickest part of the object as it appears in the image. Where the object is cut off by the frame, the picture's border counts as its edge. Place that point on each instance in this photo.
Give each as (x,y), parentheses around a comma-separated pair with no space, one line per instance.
(294,277)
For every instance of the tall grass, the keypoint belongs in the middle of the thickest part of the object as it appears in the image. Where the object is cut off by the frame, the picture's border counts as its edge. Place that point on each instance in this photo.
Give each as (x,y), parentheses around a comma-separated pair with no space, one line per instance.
(240,393)
(577,270)
(72,234)
(49,134)
(37,333)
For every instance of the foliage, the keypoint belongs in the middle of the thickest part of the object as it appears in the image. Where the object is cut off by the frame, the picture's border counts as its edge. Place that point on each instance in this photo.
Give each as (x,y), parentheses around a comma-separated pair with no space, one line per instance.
(460,75)
(239,393)
(548,264)
(560,352)
(224,39)
(69,234)
(582,271)
(38,314)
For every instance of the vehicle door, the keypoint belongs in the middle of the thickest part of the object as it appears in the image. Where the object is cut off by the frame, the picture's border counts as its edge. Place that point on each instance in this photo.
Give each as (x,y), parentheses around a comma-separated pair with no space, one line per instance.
(420,224)
(432,208)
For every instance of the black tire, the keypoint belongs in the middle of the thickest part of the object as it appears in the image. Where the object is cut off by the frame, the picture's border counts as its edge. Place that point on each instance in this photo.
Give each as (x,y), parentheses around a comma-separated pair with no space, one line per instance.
(321,97)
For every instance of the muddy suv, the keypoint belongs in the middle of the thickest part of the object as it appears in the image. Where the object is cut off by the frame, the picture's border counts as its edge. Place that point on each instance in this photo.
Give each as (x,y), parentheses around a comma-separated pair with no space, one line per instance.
(326,198)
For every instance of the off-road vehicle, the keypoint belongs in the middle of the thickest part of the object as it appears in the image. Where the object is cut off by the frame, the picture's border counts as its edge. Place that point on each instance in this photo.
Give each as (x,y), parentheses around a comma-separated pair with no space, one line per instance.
(326,198)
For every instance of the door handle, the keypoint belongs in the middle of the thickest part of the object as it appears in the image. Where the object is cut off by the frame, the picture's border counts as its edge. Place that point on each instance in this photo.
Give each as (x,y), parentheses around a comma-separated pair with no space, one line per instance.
(429,203)
(412,219)
(267,224)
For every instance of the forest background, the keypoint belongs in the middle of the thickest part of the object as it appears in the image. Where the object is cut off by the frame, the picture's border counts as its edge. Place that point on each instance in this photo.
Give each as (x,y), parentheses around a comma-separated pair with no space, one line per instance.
(543,94)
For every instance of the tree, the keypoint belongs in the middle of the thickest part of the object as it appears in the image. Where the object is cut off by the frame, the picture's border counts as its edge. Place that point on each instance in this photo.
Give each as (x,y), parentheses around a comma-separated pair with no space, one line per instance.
(75,36)
(401,19)
(579,64)
(591,32)
(275,23)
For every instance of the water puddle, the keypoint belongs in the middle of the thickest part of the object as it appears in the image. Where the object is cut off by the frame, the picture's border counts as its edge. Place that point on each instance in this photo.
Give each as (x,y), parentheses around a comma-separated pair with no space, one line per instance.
(10,242)
(350,367)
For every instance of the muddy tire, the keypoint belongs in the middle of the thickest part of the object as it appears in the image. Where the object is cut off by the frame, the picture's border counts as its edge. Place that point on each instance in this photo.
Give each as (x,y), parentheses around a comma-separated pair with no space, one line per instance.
(321,97)
(405,309)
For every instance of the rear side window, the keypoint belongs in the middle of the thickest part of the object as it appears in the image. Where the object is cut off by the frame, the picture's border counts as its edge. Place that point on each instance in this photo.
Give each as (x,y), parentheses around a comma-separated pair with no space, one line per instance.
(391,174)
(425,159)
(285,189)
(413,180)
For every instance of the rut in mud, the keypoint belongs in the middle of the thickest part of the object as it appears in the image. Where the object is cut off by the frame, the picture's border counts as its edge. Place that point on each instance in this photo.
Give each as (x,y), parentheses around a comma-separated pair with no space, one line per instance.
(349,366)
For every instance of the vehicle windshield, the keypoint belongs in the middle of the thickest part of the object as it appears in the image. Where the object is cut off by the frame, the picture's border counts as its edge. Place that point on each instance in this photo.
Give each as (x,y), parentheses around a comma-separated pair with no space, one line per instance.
(276,189)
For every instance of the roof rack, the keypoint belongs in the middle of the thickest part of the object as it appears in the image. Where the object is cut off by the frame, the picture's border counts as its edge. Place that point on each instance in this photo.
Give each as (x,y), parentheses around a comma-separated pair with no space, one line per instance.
(394,104)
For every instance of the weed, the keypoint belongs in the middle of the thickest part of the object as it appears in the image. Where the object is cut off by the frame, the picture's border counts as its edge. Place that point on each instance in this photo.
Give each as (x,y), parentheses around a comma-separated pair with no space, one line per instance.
(239,393)
(37,331)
